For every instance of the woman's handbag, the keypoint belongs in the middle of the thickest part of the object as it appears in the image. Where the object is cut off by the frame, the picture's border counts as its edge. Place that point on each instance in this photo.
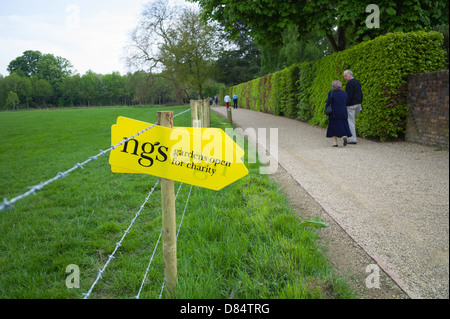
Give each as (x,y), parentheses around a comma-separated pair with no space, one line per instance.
(328,108)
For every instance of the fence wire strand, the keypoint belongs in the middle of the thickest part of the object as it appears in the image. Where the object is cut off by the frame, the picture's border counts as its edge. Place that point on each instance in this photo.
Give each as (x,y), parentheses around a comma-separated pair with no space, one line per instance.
(118,244)
(153,255)
(9,204)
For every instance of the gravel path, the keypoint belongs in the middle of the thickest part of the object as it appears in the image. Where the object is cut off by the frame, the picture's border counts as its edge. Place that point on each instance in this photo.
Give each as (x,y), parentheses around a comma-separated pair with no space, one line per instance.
(392,199)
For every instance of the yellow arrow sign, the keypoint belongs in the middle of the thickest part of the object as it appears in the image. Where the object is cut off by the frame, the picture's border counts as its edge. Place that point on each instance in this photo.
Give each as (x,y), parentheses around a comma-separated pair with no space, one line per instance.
(204,157)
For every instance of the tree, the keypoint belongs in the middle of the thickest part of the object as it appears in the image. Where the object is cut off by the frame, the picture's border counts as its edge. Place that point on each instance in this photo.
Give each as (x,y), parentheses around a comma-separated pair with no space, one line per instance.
(33,64)
(241,54)
(53,68)
(114,86)
(343,23)
(161,91)
(294,49)
(90,87)
(194,51)
(42,91)
(12,100)
(71,88)
(21,85)
(147,38)
(174,44)
(139,85)
(26,64)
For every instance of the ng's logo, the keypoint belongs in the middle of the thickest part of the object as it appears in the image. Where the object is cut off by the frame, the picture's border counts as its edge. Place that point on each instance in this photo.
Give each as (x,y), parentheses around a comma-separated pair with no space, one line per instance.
(147,149)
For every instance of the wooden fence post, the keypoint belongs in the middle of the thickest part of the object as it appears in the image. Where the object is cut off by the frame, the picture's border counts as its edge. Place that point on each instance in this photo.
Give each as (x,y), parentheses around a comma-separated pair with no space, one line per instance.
(194,115)
(194,108)
(206,113)
(229,116)
(201,110)
(165,118)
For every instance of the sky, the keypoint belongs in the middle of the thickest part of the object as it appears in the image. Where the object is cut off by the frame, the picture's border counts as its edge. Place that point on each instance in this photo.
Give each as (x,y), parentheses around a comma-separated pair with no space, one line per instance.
(91,34)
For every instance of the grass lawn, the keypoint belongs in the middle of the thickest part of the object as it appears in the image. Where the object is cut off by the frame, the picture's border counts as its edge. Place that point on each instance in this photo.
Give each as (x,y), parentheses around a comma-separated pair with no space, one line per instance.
(241,242)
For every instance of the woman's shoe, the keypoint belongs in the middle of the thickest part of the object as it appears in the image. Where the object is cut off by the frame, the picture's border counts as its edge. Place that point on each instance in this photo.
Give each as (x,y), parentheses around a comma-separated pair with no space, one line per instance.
(345,140)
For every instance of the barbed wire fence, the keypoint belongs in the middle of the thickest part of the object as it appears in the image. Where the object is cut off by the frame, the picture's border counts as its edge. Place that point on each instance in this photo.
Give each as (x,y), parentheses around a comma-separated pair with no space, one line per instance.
(119,243)
(157,243)
(9,204)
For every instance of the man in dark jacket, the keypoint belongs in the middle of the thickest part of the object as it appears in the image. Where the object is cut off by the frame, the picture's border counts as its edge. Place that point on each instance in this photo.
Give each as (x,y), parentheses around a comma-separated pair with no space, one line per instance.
(355,98)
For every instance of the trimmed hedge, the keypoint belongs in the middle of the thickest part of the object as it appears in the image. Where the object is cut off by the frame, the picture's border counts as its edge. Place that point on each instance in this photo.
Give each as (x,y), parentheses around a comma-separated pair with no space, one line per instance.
(381,65)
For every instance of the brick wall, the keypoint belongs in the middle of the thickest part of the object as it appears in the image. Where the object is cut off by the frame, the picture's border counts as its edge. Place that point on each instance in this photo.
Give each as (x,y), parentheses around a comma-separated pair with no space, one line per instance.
(427,101)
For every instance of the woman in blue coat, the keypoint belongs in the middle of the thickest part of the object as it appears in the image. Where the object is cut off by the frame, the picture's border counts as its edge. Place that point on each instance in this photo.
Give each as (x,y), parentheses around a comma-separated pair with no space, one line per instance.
(337,121)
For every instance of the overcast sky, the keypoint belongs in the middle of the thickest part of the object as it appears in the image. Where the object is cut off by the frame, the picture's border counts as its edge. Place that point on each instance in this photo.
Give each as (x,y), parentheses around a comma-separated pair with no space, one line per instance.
(91,34)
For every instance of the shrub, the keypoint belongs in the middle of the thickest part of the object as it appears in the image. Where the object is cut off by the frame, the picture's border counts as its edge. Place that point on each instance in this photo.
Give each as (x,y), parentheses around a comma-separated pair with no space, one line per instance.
(305,109)
(381,65)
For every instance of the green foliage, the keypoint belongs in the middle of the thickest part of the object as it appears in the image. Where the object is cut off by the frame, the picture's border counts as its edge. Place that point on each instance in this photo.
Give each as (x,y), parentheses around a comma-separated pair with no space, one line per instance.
(315,222)
(89,89)
(26,64)
(304,83)
(381,65)
(289,97)
(341,22)
(327,70)
(12,100)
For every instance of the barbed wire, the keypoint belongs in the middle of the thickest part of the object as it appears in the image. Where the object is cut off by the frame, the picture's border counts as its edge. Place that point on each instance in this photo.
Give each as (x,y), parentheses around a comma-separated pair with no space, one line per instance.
(153,255)
(181,113)
(33,189)
(8,204)
(118,244)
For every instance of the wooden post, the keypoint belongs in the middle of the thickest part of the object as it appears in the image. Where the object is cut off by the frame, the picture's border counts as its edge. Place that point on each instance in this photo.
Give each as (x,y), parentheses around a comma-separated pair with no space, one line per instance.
(206,113)
(229,117)
(165,118)
(194,107)
(200,109)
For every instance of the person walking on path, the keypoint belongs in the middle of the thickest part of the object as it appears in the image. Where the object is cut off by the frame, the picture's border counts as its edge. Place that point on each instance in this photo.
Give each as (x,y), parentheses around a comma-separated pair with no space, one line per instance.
(227,100)
(235,100)
(355,98)
(338,119)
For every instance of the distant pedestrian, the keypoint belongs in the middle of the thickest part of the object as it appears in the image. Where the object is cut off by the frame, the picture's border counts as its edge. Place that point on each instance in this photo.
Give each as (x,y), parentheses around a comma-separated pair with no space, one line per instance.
(217,100)
(227,100)
(338,119)
(355,98)
(210,101)
(235,100)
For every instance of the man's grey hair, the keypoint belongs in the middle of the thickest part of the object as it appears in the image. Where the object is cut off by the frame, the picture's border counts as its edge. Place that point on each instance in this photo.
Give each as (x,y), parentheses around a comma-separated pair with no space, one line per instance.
(348,72)
(336,85)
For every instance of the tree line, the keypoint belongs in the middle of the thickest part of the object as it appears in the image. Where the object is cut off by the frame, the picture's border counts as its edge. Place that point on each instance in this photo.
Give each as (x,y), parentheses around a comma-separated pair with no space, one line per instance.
(32,84)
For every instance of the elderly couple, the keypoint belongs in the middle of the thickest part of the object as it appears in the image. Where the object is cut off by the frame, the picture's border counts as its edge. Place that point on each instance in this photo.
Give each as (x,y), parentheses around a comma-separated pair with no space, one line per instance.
(345,105)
